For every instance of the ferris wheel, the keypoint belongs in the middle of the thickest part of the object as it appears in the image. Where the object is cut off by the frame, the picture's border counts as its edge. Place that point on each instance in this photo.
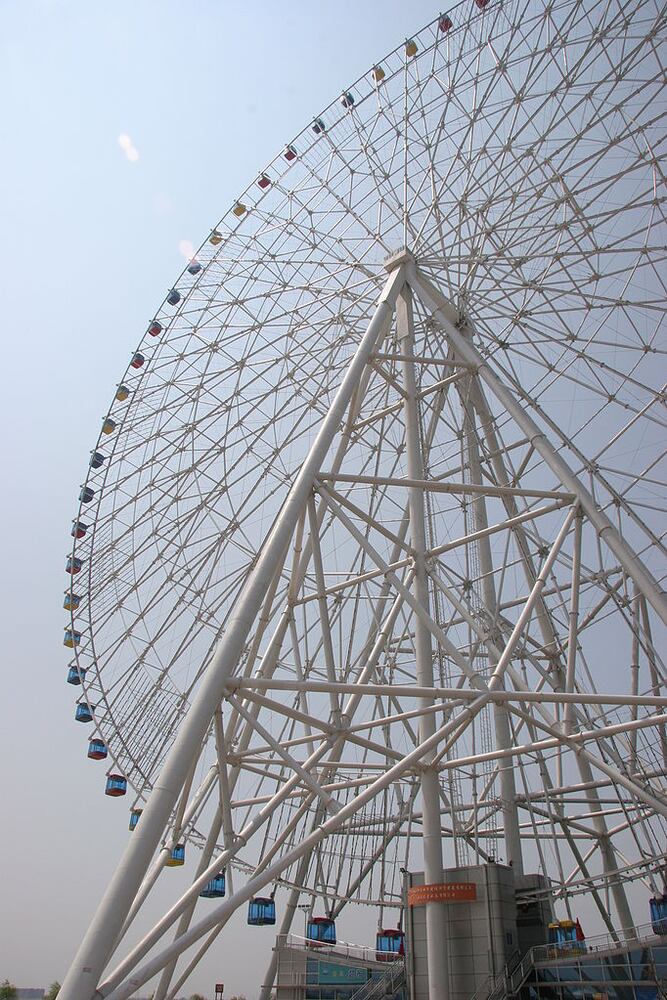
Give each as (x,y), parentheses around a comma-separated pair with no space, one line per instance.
(366,570)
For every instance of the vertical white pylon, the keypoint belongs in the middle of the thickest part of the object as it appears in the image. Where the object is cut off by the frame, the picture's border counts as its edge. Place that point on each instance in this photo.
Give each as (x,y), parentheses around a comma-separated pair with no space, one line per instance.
(503,734)
(436,924)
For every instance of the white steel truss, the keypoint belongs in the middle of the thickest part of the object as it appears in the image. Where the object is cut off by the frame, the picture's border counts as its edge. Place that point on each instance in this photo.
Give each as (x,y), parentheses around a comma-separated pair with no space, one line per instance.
(348,545)
(371,550)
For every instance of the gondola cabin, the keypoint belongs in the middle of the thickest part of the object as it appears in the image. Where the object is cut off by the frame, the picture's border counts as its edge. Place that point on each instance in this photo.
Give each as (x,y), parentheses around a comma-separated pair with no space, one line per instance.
(135,815)
(109,426)
(122,392)
(566,937)
(658,907)
(289,153)
(347,100)
(215,238)
(71,638)
(239,209)
(71,601)
(177,857)
(389,944)
(84,712)
(445,24)
(482,4)
(79,529)
(318,126)
(378,74)
(116,785)
(97,460)
(97,749)
(73,566)
(194,267)
(264,182)
(137,360)
(215,887)
(411,48)
(86,494)
(75,675)
(155,329)
(321,931)
(173,297)
(261,912)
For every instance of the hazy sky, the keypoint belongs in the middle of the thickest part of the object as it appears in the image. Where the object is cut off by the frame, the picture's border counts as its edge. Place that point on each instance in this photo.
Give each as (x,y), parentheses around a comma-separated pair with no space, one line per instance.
(202,94)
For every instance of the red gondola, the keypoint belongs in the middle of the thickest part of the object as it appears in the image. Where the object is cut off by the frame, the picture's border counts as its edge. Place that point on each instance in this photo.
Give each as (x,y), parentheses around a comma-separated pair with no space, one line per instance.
(389,944)
(97,749)
(116,785)
(321,931)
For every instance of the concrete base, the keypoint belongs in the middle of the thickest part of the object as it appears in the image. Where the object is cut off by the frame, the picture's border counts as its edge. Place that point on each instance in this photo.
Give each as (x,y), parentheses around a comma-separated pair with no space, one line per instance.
(485,934)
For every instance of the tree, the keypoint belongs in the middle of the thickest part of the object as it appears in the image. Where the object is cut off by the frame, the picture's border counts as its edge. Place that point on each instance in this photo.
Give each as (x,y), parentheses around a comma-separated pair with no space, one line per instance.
(197,996)
(53,991)
(7,990)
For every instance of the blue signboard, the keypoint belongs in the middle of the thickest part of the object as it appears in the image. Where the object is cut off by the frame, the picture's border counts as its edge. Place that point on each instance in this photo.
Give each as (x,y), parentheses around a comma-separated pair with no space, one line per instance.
(332,974)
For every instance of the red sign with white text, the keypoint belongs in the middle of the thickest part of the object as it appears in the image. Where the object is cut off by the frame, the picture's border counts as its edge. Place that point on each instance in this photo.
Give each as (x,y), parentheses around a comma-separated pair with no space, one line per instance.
(444,892)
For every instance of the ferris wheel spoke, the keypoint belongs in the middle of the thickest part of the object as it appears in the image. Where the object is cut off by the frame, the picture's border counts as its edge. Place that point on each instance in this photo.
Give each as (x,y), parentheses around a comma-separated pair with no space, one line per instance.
(516,155)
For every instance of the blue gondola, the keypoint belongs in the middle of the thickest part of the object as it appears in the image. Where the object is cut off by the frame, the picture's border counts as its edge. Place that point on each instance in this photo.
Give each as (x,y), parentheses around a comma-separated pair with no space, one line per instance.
(116,785)
(71,638)
(86,494)
(97,749)
(97,460)
(215,887)
(319,126)
(321,930)
(84,712)
(566,937)
(194,267)
(75,675)
(174,297)
(261,912)
(135,815)
(71,601)
(73,565)
(659,914)
(347,100)
(177,857)
(389,944)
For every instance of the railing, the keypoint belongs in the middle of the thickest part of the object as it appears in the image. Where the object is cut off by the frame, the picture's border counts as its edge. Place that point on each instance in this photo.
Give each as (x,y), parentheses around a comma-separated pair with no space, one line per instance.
(510,981)
(496,987)
(341,949)
(376,989)
(633,937)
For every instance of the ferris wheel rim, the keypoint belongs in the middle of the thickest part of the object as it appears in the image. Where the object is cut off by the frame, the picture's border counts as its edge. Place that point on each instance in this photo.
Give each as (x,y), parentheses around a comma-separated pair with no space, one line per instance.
(231,236)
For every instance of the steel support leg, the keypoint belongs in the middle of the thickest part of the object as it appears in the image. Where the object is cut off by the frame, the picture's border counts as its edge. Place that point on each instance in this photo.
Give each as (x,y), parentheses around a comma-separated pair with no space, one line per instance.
(436,923)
